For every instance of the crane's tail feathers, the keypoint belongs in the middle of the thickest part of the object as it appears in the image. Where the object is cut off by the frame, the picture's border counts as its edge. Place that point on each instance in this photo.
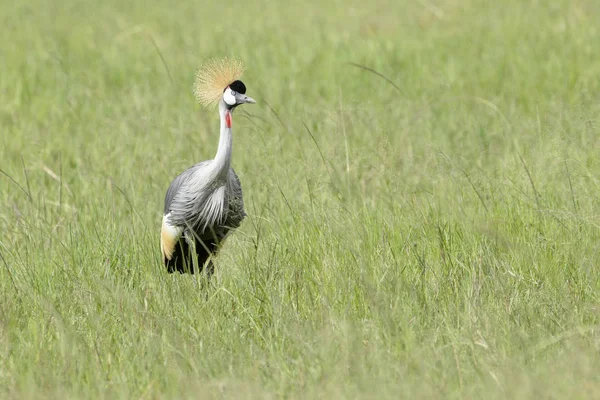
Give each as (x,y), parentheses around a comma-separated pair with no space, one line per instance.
(177,251)
(181,257)
(180,260)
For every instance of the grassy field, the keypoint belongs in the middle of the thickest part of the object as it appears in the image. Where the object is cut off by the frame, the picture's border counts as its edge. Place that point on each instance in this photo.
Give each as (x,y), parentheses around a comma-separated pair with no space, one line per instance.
(433,233)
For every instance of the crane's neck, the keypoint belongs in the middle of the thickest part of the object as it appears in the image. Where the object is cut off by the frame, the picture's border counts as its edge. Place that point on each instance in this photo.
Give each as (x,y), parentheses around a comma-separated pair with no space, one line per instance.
(222,160)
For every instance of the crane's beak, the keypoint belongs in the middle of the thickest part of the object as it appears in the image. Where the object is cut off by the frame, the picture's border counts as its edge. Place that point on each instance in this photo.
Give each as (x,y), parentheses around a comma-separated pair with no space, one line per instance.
(243,99)
(249,100)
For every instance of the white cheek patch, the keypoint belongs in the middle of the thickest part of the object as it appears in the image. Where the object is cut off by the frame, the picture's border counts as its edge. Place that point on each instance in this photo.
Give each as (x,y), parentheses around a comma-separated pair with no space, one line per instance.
(228,97)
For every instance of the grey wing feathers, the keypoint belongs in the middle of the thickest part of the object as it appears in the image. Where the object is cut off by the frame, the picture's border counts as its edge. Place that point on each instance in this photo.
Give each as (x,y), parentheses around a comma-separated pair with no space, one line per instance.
(177,183)
(236,212)
(177,201)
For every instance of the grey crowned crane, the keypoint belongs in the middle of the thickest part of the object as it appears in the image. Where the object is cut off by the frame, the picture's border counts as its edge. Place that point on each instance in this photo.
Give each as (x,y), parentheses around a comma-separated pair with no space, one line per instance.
(204,203)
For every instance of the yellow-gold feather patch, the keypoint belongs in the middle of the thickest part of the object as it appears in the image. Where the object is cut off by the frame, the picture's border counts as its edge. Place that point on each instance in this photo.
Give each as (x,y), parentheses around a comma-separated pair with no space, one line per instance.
(169,236)
(214,76)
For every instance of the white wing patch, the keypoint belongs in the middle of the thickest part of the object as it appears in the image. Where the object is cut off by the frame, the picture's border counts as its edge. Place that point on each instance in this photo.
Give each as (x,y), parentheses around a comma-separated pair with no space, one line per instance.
(169,236)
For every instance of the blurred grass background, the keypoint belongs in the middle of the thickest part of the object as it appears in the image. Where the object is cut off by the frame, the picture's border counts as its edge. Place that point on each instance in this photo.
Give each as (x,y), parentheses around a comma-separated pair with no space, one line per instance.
(435,236)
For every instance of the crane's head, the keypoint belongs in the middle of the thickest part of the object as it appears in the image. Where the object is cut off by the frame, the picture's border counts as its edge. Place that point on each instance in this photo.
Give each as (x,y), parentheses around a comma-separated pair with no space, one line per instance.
(219,80)
(235,94)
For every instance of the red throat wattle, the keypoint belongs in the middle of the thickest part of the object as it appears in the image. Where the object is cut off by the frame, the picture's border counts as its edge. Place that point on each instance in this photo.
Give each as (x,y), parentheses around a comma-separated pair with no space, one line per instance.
(228,119)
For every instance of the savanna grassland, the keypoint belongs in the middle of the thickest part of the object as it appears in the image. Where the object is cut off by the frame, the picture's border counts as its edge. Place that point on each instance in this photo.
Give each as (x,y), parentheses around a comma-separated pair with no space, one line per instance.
(422,183)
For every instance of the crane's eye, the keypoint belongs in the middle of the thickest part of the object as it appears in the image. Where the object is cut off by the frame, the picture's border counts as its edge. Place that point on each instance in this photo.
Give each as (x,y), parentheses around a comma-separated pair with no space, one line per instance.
(233,93)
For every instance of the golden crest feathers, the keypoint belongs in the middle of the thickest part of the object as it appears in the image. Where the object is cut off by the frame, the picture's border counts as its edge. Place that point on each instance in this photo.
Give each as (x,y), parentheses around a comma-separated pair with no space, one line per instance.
(214,76)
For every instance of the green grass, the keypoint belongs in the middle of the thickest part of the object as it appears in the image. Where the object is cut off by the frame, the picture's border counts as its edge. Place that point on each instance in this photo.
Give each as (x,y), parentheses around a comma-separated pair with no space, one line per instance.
(436,240)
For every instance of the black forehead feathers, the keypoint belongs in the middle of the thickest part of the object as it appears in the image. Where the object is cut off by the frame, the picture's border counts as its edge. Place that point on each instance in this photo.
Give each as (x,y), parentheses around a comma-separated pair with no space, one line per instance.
(238,86)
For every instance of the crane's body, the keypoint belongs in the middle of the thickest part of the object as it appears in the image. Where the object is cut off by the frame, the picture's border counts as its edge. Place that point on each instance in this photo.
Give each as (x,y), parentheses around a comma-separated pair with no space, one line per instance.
(204,203)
